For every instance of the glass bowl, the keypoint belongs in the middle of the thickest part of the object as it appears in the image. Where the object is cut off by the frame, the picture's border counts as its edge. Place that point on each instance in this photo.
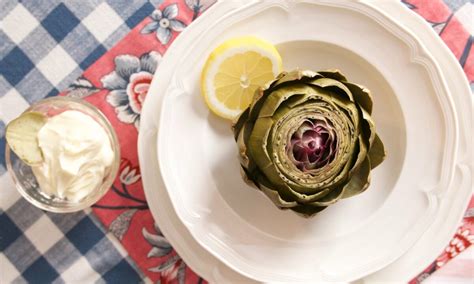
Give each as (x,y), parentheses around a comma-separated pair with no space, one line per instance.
(22,174)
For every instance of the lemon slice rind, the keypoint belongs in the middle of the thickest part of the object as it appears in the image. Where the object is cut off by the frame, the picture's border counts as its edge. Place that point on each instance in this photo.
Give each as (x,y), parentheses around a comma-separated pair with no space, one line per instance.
(227,50)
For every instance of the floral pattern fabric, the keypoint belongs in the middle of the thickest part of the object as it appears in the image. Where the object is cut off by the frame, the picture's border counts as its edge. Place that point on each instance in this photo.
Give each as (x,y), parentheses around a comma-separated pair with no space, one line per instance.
(164,23)
(128,84)
(118,82)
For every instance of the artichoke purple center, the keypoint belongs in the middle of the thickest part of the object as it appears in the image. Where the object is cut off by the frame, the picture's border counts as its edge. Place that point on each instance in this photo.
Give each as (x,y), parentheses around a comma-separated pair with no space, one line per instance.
(313,145)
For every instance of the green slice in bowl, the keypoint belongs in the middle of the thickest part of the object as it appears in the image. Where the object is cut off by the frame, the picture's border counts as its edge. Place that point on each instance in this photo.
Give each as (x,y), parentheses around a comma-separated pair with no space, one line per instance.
(21,135)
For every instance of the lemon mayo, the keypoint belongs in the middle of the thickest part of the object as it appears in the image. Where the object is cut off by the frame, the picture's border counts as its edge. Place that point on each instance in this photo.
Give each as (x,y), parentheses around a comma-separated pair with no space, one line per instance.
(76,155)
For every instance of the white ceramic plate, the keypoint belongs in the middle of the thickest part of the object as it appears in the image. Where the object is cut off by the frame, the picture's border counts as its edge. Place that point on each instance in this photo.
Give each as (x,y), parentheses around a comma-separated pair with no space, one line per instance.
(206,207)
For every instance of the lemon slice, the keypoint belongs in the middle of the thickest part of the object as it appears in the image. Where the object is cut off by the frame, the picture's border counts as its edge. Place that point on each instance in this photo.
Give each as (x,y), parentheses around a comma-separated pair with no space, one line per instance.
(21,135)
(234,70)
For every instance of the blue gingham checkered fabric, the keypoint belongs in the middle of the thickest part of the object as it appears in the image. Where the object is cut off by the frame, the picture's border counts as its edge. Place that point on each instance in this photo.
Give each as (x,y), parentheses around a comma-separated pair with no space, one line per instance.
(44,47)
(39,247)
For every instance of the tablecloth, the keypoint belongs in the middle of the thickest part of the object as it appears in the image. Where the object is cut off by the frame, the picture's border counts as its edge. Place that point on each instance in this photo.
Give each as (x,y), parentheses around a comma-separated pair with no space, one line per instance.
(106,53)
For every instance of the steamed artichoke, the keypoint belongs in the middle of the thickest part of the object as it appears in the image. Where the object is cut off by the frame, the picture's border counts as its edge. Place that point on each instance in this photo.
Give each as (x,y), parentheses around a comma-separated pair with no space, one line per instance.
(308,140)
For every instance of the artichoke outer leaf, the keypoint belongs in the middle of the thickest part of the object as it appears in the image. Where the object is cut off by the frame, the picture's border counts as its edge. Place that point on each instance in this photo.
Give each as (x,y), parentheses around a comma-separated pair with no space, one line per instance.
(297,75)
(247,178)
(307,211)
(317,93)
(377,152)
(280,96)
(335,74)
(280,196)
(362,96)
(309,198)
(361,156)
(277,78)
(275,197)
(243,148)
(284,186)
(333,85)
(259,99)
(368,127)
(282,80)
(359,181)
(258,181)
(257,143)
(334,195)
(285,191)
(258,150)
(298,100)
(243,156)
(239,122)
